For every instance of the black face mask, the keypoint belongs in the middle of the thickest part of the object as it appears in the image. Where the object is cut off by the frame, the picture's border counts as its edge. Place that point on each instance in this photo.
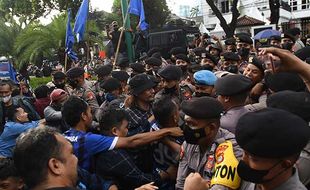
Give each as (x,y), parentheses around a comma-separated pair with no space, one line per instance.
(184,68)
(73,83)
(60,85)
(244,52)
(232,69)
(255,176)
(201,94)
(149,72)
(208,67)
(192,136)
(170,90)
(287,46)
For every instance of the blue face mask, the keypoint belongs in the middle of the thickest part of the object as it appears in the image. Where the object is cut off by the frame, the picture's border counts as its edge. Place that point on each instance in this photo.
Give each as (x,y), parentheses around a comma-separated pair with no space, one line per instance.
(109,97)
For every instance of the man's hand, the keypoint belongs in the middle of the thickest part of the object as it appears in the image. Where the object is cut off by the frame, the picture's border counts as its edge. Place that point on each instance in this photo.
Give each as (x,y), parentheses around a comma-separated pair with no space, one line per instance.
(289,62)
(195,182)
(148,186)
(174,131)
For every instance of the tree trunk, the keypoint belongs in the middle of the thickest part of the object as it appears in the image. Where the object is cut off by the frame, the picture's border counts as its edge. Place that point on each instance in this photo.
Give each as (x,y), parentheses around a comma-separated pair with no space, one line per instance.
(274,11)
(229,29)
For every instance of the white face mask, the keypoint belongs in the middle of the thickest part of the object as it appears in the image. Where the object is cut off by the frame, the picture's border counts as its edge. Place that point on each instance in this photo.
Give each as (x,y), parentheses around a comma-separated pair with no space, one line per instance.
(6,99)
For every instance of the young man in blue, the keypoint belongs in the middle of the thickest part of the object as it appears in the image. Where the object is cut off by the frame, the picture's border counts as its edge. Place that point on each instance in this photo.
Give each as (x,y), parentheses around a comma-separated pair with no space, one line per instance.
(18,122)
(77,114)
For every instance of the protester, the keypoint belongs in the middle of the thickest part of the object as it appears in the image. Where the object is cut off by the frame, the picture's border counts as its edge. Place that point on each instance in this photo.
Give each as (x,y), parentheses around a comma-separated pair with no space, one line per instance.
(9,177)
(42,99)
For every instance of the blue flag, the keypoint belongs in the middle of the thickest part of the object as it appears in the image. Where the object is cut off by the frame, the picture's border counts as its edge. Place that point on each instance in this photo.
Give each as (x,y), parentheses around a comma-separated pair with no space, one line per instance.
(70,39)
(80,21)
(136,8)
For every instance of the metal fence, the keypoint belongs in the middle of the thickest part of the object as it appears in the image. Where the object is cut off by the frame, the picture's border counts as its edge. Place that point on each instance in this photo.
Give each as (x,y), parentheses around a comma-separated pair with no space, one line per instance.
(303,24)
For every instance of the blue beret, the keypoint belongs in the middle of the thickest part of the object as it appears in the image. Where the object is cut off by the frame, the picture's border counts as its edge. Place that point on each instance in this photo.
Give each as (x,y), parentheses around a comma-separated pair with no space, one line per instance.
(205,77)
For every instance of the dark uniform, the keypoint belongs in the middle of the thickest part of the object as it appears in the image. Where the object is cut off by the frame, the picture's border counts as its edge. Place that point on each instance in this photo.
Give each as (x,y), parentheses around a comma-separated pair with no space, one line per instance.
(171,73)
(297,103)
(224,152)
(230,86)
(85,91)
(273,134)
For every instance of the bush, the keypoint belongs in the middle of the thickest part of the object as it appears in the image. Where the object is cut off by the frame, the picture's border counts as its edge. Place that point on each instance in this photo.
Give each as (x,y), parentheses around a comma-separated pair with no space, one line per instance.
(35,82)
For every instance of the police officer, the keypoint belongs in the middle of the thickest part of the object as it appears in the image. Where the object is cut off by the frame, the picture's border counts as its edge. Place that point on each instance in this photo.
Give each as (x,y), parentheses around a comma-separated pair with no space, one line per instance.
(272,140)
(230,44)
(208,61)
(244,45)
(183,62)
(137,68)
(287,41)
(59,81)
(82,88)
(152,65)
(103,73)
(123,77)
(297,103)
(204,83)
(230,62)
(208,149)
(275,40)
(171,76)
(232,91)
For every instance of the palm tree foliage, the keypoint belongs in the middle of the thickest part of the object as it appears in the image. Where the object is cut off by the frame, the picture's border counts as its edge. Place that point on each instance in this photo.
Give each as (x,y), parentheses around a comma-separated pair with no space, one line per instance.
(38,41)
(8,35)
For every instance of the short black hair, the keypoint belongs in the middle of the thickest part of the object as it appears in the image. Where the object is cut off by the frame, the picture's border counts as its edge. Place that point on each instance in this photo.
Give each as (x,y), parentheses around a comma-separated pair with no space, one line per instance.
(9,82)
(111,118)
(72,110)
(32,153)
(41,91)
(11,113)
(7,168)
(163,110)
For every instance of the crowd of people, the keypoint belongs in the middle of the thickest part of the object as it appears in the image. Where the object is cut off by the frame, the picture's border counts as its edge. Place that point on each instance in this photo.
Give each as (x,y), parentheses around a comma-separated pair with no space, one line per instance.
(214,115)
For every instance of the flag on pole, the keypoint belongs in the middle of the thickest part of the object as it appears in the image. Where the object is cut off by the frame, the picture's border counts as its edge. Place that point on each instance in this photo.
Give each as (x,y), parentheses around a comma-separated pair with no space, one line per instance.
(70,39)
(80,21)
(136,8)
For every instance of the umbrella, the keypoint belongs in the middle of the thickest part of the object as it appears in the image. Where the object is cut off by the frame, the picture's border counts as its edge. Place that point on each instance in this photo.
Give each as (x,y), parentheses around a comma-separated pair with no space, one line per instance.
(266,34)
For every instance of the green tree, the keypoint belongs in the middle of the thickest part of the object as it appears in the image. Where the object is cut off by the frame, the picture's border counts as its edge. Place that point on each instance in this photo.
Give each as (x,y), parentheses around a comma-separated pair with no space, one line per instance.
(39,41)
(156,13)
(8,35)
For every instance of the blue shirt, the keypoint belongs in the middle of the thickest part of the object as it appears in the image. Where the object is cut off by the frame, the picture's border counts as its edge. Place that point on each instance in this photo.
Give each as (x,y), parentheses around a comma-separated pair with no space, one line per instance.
(11,131)
(86,145)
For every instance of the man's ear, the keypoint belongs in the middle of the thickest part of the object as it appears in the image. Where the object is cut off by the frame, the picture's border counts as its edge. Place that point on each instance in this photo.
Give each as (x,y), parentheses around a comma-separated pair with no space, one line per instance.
(114,131)
(55,166)
(226,99)
(83,116)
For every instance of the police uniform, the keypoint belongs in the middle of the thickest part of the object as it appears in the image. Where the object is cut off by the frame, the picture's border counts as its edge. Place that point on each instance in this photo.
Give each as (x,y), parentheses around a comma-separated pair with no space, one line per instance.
(171,73)
(229,86)
(292,135)
(245,39)
(102,72)
(299,104)
(85,91)
(218,164)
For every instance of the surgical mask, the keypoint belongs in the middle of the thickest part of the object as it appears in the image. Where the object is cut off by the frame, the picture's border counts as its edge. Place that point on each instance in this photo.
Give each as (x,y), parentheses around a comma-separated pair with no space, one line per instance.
(201,94)
(192,136)
(6,99)
(232,69)
(287,46)
(252,175)
(244,52)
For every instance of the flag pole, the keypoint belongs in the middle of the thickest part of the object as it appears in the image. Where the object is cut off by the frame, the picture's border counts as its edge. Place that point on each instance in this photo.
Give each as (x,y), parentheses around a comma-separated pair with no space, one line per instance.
(120,40)
(66,61)
(128,37)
